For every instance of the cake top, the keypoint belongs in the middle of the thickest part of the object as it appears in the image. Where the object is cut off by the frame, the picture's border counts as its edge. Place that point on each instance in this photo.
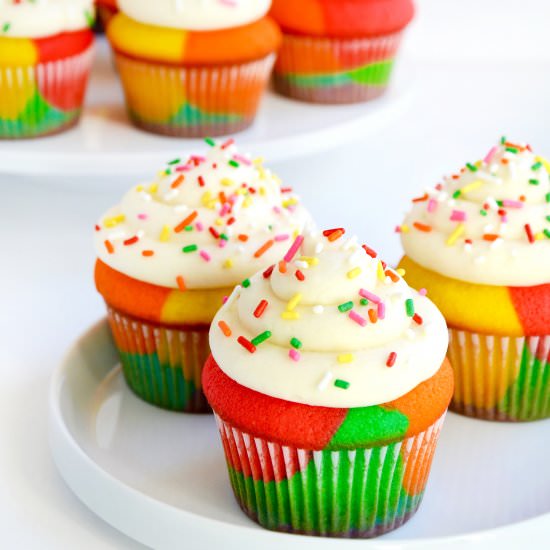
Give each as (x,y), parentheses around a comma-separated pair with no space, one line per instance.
(489,223)
(329,325)
(39,18)
(195,15)
(205,222)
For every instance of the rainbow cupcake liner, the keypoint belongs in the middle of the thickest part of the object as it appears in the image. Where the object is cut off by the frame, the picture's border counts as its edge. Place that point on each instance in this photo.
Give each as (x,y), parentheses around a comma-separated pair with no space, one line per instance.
(500,377)
(330,70)
(43,99)
(193,101)
(355,493)
(162,365)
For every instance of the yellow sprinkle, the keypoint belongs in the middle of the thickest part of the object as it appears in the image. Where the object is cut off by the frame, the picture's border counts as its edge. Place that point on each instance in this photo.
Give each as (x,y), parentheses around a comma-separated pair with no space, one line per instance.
(293,302)
(479,163)
(115,220)
(380,271)
(455,234)
(218,221)
(356,271)
(309,260)
(153,188)
(544,162)
(295,233)
(405,229)
(228,263)
(471,186)
(345,358)
(539,236)
(240,191)
(206,197)
(262,191)
(290,315)
(228,182)
(247,202)
(258,161)
(400,271)
(290,202)
(139,188)
(165,234)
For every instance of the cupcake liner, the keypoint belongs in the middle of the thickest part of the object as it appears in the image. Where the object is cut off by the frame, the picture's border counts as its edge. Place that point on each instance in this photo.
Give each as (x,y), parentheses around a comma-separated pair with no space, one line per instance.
(332,70)
(162,365)
(193,101)
(361,492)
(503,378)
(43,99)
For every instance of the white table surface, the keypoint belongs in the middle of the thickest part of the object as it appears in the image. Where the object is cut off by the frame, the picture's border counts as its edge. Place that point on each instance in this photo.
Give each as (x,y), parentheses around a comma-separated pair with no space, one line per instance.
(484,69)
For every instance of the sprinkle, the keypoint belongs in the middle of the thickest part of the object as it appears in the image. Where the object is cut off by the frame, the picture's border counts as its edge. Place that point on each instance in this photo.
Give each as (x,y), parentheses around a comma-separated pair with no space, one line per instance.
(213,232)
(458,216)
(210,141)
(131,241)
(288,257)
(260,308)
(294,355)
(356,271)
(233,163)
(267,273)
(177,182)
(205,256)
(228,263)
(345,358)
(224,327)
(318,309)
(490,237)
(187,221)
(381,310)
(247,345)
(282,237)
(115,220)
(282,266)
(190,248)
(228,143)
(546,233)
(342,384)
(369,296)
(533,182)
(423,198)
(490,155)
(264,248)
(109,246)
(471,187)
(295,343)
(290,315)
(422,227)
(422,292)
(369,251)
(380,271)
(335,234)
(364,302)
(299,275)
(432,205)
(293,302)
(359,319)
(346,306)
(390,362)
(536,166)
(153,188)
(529,233)
(409,306)
(181,283)
(471,167)
(200,179)
(393,276)
(246,283)
(373,316)
(261,338)
(417,319)
(242,159)
(507,203)
(454,236)
(147,253)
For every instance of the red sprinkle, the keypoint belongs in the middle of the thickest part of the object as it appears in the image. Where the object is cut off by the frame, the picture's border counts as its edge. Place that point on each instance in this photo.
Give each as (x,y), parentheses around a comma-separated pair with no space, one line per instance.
(417,319)
(229,142)
(369,251)
(299,275)
(187,221)
(201,181)
(97,228)
(131,240)
(260,308)
(231,221)
(334,234)
(529,233)
(391,359)
(267,273)
(214,233)
(246,344)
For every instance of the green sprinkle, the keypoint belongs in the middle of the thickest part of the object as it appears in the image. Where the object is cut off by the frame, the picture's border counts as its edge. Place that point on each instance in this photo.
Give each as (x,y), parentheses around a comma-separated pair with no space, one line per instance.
(547,233)
(500,203)
(471,167)
(90,18)
(234,163)
(534,182)
(547,197)
(210,141)
(175,161)
(295,343)
(167,172)
(409,306)
(364,302)
(536,166)
(188,228)
(548,218)
(190,248)
(483,212)
(457,194)
(246,283)
(511,150)
(261,338)
(224,236)
(6,27)
(345,307)
(503,140)
(342,384)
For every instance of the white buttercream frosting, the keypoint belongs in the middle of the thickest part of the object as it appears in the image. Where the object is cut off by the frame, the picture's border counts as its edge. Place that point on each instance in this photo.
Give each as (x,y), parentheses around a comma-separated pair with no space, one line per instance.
(39,18)
(321,344)
(210,220)
(489,224)
(195,15)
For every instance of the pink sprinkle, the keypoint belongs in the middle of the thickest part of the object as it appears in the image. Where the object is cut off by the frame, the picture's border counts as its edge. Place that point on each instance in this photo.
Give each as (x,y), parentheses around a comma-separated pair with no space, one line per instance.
(142,216)
(490,155)
(458,216)
(224,299)
(432,205)
(225,209)
(183,168)
(294,248)
(354,316)
(222,243)
(369,296)
(204,255)
(294,354)
(398,229)
(504,219)
(422,292)
(197,158)
(508,203)
(241,158)
(276,209)
(381,310)
(199,226)
(282,237)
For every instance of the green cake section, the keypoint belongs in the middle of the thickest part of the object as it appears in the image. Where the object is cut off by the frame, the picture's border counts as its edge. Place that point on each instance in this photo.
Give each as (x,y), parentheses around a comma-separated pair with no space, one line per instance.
(189,115)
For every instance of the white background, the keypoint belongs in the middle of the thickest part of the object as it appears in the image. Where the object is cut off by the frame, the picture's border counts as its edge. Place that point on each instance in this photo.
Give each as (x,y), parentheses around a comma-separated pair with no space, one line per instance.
(484,70)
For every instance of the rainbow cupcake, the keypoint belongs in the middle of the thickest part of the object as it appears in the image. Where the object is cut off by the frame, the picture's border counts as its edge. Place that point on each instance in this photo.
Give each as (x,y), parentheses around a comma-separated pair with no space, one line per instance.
(338,51)
(480,243)
(172,250)
(193,68)
(46,51)
(329,382)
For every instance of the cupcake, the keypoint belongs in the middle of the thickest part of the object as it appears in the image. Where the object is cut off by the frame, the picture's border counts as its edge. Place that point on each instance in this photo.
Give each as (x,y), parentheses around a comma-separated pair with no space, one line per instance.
(480,243)
(329,383)
(338,51)
(46,51)
(172,250)
(195,68)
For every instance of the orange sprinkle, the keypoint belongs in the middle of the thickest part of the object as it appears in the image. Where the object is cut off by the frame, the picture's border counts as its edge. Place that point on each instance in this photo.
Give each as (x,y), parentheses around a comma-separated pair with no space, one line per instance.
(222,197)
(242,237)
(393,276)
(504,161)
(282,266)
(373,316)
(181,283)
(224,327)
(109,246)
(423,198)
(264,248)
(335,235)
(181,226)
(490,237)
(147,253)
(178,181)
(422,227)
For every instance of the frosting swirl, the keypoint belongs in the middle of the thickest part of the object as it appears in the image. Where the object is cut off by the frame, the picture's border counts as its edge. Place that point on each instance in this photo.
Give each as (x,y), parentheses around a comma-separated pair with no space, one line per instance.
(38,18)
(195,15)
(208,222)
(331,326)
(489,224)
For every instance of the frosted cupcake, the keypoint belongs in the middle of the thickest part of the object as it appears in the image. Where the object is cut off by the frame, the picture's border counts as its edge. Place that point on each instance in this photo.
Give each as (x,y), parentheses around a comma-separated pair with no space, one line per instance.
(480,243)
(173,249)
(195,68)
(45,58)
(329,382)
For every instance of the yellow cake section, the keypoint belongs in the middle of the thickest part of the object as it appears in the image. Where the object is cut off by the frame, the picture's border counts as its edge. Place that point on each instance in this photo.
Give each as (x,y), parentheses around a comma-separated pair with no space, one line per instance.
(478,308)
(193,306)
(17,52)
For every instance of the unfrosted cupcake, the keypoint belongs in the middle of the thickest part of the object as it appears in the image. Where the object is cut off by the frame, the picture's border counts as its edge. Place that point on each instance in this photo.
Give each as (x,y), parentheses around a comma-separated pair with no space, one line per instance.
(329,382)
(195,68)
(170,252)
(46,51)
(480,243)
(338,51)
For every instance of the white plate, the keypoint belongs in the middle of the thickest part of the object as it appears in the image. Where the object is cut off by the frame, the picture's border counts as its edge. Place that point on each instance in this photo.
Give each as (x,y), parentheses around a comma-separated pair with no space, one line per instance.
(104,143)
(160,477)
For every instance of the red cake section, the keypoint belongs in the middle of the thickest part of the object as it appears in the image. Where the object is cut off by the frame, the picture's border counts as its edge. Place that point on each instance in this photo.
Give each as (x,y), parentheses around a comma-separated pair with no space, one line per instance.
(532,305)
(63,45)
